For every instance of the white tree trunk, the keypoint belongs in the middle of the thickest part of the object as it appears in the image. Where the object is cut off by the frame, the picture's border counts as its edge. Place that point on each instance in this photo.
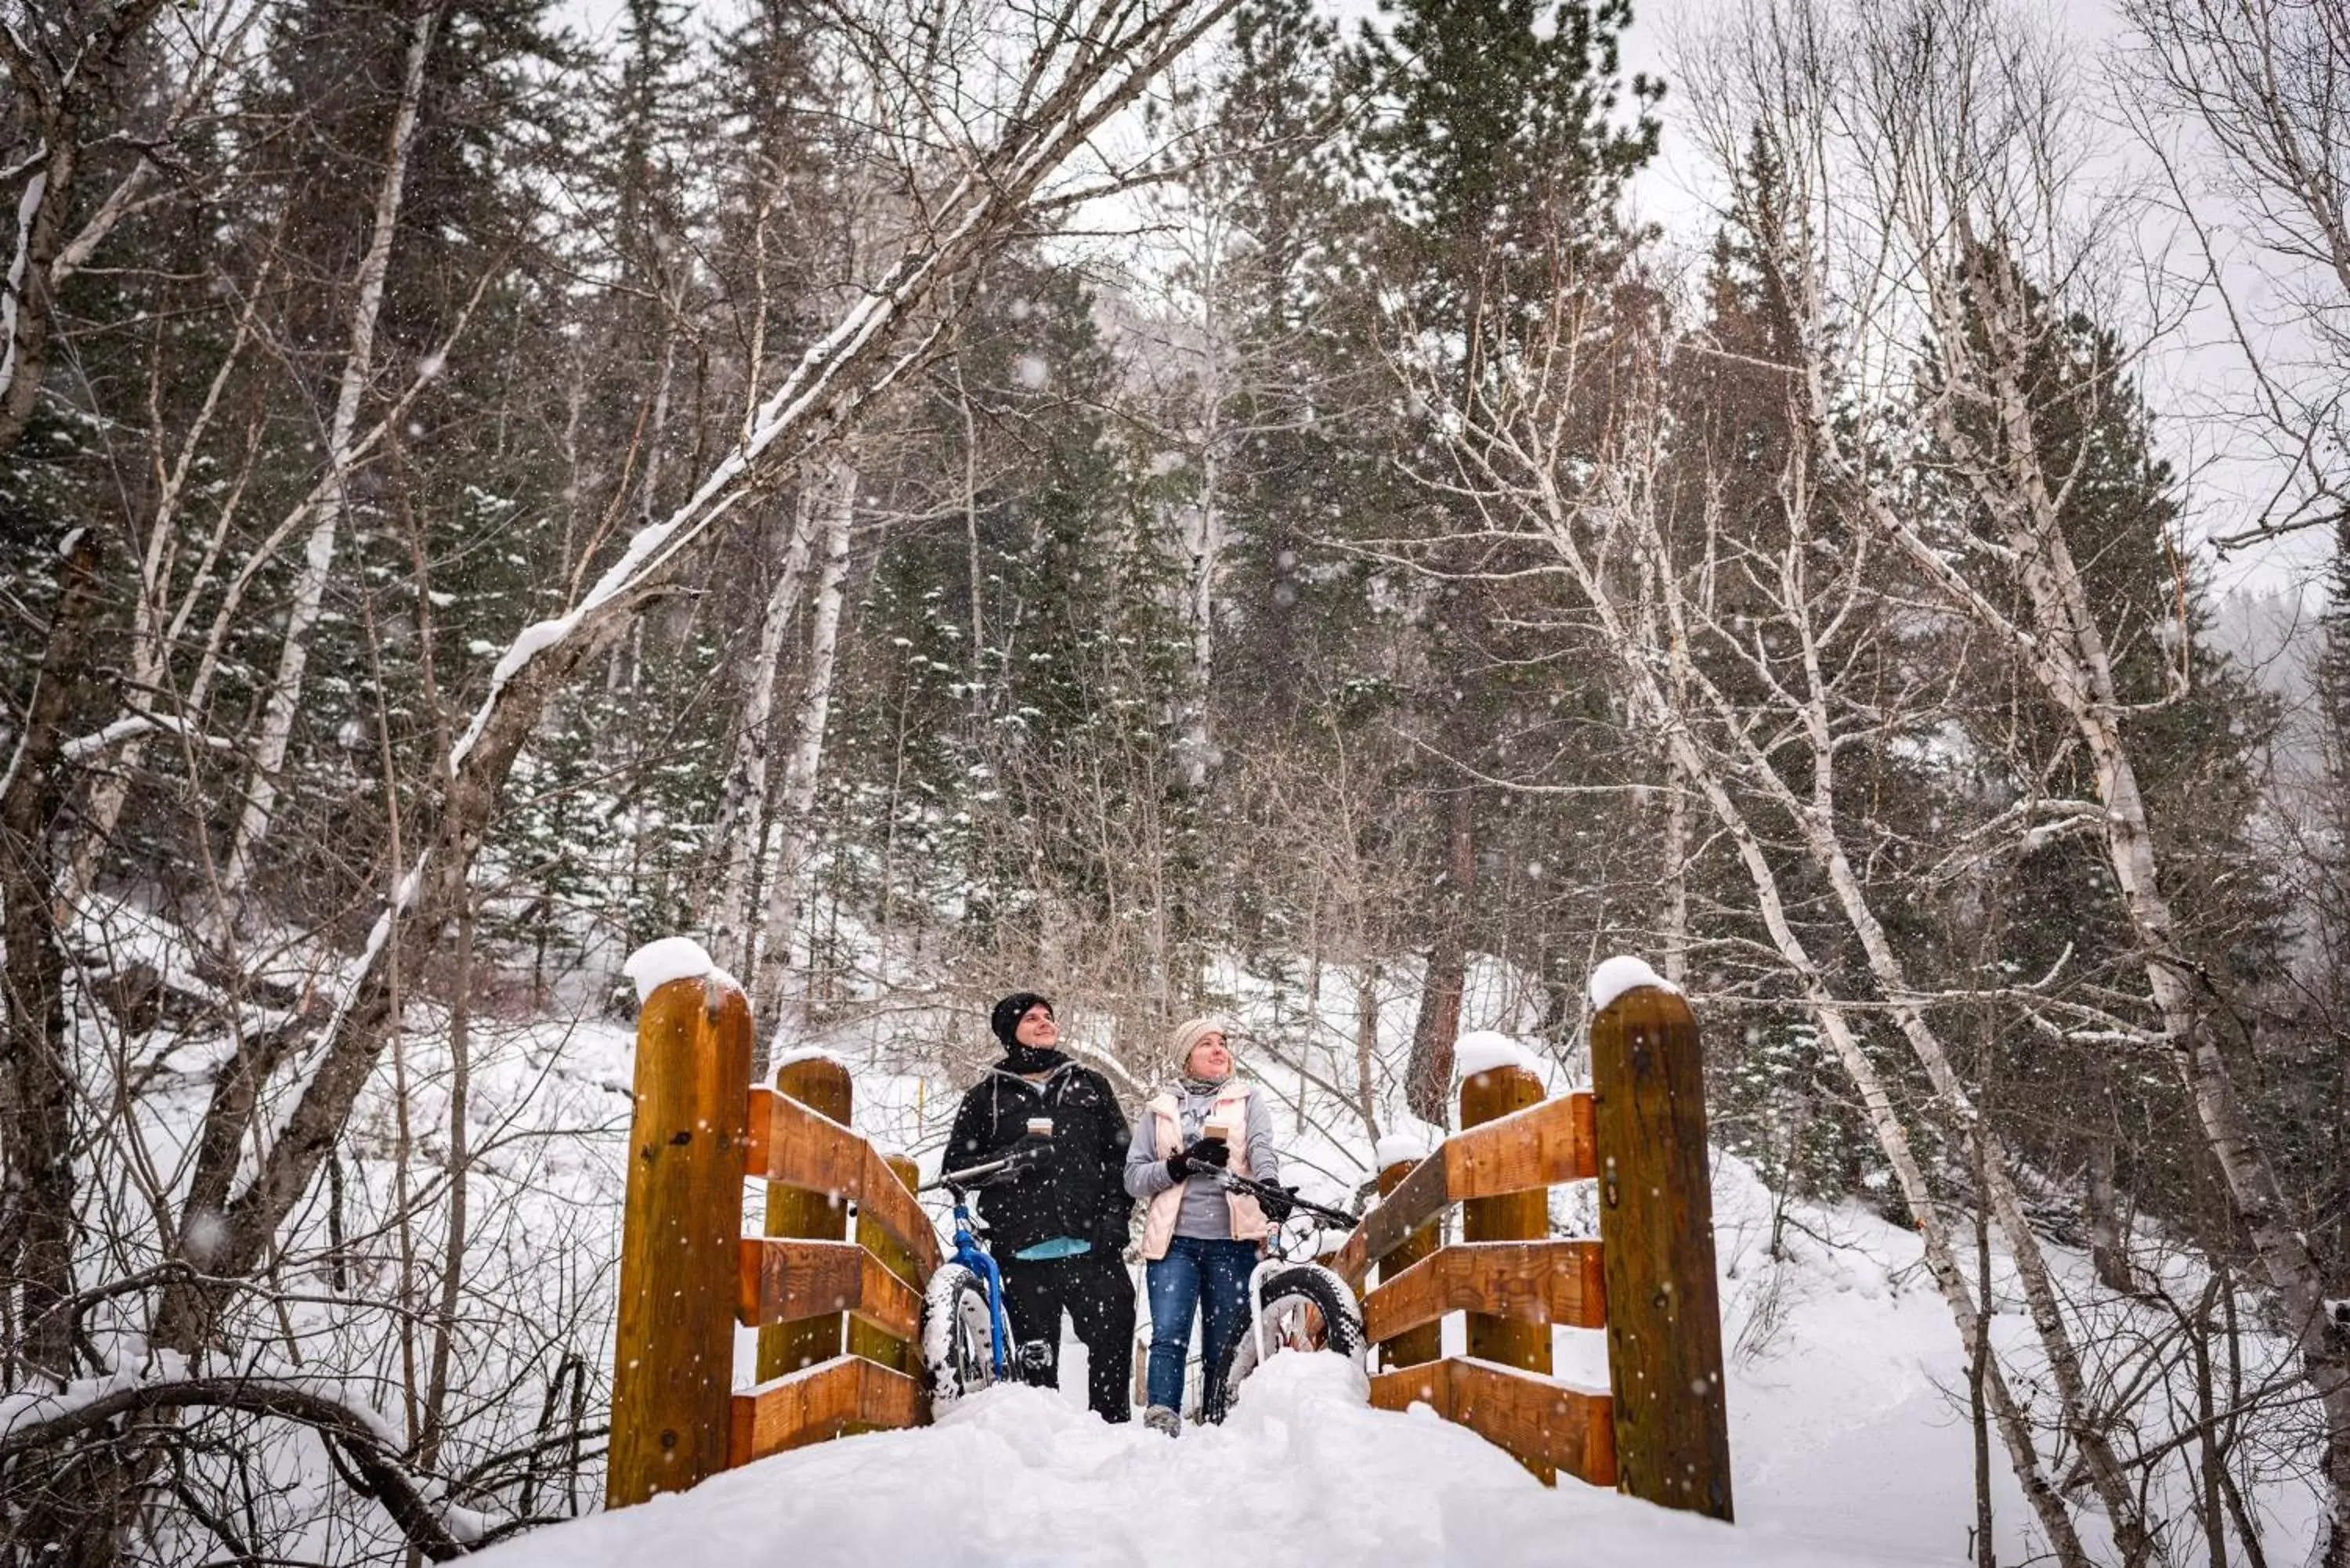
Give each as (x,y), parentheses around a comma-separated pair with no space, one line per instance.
(747,802)
(318,559)
(796,814)
(1203,550)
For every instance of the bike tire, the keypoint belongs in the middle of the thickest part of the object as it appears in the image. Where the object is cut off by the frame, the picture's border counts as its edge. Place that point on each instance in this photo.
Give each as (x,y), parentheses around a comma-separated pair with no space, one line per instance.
(958,1335)
(1306,1307)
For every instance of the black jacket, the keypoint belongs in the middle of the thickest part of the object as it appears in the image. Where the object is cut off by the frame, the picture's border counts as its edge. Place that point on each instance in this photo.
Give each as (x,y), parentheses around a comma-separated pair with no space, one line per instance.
(1080,1191)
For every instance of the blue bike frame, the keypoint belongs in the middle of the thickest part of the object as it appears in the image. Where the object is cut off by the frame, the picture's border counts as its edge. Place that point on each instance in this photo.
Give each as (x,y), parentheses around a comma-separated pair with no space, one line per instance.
(967,1252)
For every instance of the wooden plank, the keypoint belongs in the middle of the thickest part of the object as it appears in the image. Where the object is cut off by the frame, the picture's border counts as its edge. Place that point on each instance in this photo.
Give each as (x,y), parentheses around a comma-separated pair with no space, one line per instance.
(1417,1345)
(1548,1282)
(801,1148)
(888,1198)
(1428,1384)
(784,1281)
(887,1339)
(1542,1423)
(1418,1199)
(846,1393)
(1548,1427)
(675,1342)
(1490,1098)
(1539,1145)
(1546,1143)
(1656,1218)
(819,1091)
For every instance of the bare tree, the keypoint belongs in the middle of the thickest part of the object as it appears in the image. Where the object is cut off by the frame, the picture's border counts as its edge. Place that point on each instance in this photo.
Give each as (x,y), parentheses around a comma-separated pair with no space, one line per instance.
(2261,90)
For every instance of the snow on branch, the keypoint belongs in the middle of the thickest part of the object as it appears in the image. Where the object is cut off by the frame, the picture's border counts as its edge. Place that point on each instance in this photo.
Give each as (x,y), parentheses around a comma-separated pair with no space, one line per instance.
(129,727)
(354,1432)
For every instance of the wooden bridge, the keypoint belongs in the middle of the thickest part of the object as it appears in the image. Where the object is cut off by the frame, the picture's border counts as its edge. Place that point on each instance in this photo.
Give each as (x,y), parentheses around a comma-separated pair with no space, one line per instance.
(834,1284)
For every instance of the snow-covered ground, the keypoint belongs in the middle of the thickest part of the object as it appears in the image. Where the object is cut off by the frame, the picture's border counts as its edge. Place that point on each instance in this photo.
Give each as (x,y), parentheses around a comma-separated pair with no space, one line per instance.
(1849,1444)
(1849,1438)
(1303,1473)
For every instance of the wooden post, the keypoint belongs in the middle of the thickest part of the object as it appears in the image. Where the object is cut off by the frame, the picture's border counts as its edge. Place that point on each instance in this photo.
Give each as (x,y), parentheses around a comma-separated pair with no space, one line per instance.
(1515,1217)
(864,1339)
(1655,1230)
(821,1085)
(1424,1343)
(673,1366)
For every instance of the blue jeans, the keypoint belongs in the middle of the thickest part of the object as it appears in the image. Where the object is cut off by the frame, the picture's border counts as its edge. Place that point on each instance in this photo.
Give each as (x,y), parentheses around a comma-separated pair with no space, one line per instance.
(1210,1277)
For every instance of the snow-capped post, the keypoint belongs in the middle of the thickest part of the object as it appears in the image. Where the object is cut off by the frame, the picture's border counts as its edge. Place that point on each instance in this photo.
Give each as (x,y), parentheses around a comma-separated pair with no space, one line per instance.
(1655,1230)
(821,1083)
(864,1339)
(1498,1079)
(1397,1158)
(673,1368)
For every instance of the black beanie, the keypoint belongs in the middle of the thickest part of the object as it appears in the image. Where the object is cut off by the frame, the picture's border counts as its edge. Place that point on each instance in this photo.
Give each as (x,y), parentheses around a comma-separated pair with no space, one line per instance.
(1005,1021)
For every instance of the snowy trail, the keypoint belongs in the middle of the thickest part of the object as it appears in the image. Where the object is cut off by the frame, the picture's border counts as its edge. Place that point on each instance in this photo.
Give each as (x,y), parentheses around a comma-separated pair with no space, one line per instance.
(1303,1473)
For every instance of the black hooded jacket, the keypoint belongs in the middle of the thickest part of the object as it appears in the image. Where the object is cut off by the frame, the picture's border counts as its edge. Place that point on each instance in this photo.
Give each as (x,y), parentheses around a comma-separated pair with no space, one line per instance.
(1080,1191)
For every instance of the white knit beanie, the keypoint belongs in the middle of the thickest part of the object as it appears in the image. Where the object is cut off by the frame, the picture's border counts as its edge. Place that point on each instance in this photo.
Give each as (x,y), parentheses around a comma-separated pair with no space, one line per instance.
(1192,1030)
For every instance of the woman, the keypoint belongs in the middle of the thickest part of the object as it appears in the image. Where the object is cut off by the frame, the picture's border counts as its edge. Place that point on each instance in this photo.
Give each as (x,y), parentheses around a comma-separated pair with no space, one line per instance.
(1199,1239)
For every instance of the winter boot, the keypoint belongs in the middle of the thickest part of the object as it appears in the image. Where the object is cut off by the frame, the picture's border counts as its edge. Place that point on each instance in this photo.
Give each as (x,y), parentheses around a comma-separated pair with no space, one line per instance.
(1159,1419)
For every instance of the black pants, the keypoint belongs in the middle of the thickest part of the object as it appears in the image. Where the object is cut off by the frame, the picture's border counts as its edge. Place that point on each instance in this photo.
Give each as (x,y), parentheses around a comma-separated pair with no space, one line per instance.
(1098,1294)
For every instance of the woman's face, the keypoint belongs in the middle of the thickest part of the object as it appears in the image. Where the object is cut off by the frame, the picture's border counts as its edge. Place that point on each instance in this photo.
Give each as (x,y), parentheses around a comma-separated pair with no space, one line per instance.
(1210,1059)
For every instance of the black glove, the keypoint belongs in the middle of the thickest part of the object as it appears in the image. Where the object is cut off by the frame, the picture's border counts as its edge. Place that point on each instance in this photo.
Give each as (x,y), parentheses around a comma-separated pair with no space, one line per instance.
(1204,1153)
(1112,1232)
(1277,1204)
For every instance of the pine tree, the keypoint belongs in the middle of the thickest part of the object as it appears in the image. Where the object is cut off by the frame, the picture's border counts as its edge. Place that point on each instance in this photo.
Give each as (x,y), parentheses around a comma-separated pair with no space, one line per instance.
(1496,150)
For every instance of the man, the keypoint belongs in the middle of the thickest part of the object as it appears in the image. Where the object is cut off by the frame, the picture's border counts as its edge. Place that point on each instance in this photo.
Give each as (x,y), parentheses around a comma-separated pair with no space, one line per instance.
(1059,1231)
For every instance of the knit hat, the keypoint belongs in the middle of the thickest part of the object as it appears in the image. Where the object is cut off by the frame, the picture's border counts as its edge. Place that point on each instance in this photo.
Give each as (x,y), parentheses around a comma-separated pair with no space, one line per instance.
(1192,1030)
(1004,1023)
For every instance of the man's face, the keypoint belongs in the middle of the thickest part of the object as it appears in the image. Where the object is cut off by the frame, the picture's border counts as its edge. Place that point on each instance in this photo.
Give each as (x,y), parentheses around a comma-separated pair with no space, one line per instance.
(1036,1027)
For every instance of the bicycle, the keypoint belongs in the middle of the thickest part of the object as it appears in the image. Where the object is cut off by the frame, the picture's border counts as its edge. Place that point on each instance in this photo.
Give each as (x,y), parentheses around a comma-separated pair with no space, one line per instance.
(1295,1304)
(967,1342)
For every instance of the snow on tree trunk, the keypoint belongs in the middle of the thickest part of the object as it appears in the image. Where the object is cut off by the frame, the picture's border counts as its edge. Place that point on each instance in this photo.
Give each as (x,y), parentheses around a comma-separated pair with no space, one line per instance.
(319,559)
(837,500)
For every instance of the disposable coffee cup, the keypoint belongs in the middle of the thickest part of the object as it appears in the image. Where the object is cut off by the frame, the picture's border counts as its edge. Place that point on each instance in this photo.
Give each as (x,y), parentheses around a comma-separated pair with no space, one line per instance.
(1040,1126)
(1220,1131)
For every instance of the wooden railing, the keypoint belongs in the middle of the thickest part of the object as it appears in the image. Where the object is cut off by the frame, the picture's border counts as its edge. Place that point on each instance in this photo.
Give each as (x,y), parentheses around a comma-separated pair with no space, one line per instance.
(838,1311)
(1661,1431)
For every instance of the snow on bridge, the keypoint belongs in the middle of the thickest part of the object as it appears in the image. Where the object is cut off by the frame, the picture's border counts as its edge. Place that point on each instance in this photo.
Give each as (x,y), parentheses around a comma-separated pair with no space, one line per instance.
(1303,1473)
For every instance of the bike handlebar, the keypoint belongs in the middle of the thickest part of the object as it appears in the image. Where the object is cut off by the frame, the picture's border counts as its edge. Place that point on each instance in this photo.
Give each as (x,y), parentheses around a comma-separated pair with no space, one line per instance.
(1335,1219)
(985,1174)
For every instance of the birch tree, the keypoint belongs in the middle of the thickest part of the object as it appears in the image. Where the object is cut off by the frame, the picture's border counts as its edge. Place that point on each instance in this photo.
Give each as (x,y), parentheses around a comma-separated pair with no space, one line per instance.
(1943,184)
(835,502)
(1802,634)
(318,555)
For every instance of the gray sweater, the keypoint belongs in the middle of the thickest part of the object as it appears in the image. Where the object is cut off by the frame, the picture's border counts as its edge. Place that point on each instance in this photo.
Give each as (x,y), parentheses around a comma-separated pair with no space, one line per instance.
(1205,1213)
